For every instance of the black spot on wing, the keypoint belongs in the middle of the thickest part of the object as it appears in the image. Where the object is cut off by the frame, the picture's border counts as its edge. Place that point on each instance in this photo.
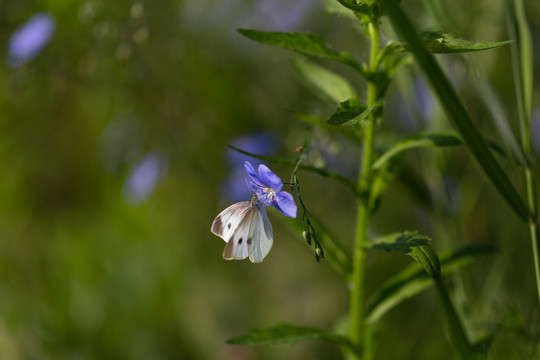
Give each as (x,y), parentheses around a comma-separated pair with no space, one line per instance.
(228,225)
(217,226)
(249,241)
(240,240)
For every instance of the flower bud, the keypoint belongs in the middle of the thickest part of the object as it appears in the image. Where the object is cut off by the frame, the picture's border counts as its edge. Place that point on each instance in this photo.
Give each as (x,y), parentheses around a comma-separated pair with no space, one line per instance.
(307,236)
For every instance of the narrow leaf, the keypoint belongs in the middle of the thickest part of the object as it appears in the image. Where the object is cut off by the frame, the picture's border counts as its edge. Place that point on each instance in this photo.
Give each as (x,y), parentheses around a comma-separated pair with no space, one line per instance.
(289,334)
(416,245)
(441,43)
(390,50)
(455,324)
(421,140)
(352,112)
(325,83)
(427,140)
(456,110)
(413,279)
(522,65)
(308,44)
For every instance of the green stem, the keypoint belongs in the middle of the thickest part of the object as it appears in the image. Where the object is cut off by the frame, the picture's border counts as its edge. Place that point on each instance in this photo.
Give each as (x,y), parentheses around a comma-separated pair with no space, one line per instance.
(522,58)
(533,225)
(357,300)
(457,329)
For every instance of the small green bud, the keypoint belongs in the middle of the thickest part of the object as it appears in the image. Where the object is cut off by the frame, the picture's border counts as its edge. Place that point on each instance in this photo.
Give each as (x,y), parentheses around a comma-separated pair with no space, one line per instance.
(307,236)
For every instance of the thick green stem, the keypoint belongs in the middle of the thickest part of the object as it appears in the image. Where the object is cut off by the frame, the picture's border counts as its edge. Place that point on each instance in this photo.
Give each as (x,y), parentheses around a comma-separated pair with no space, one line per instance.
(357,302)
(522,59)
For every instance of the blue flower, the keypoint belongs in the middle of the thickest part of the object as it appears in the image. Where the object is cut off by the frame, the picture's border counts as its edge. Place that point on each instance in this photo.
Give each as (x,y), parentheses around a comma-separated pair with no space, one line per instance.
(267,187)
(144,177)
(30,38)
(234,187)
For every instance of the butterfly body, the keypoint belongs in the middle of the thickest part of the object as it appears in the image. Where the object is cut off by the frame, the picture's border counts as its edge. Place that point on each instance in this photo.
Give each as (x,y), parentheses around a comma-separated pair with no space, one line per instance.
(246,229)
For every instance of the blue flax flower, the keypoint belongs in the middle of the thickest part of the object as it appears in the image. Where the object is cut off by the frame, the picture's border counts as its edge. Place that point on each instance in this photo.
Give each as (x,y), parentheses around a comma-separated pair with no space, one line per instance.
(29,39)
(267,187)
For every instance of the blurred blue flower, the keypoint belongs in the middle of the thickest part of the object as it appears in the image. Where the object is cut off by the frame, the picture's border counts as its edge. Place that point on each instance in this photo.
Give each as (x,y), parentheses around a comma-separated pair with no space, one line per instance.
(282,15)
(30,38)
(267,187)
(425,99)
(144,177)
(262,143)
(233,188)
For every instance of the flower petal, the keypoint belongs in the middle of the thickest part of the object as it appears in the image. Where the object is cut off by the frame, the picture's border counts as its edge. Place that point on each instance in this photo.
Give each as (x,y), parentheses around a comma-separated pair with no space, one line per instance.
(254,181)
(269,178)
(285,204)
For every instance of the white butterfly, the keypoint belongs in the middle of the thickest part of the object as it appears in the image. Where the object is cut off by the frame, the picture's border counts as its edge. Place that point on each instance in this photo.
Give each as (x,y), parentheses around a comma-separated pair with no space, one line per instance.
(246,229)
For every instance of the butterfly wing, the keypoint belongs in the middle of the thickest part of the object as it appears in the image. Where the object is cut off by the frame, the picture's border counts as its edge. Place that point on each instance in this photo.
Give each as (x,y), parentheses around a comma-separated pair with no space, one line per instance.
(237,247)
(226,223)
(246,229)
(261,238)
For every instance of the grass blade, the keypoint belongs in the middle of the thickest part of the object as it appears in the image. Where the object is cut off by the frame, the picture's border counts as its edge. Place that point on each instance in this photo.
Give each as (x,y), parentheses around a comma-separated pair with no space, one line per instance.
(456,110)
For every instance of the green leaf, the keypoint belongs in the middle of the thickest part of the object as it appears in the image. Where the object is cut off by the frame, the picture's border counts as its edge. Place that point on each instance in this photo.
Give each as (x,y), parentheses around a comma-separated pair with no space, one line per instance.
(390,50)
(389,60)
(413,279)
(351,112)
(347,110)
(438,42)
(416,245)
(290,334)
(456,110)
(441,43)
(420,140)
(325,83)
(427,140)
(333,7)
(308,44)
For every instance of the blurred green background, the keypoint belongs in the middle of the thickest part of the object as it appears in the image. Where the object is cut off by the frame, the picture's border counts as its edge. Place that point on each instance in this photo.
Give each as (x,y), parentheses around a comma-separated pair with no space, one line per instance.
(113,150)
